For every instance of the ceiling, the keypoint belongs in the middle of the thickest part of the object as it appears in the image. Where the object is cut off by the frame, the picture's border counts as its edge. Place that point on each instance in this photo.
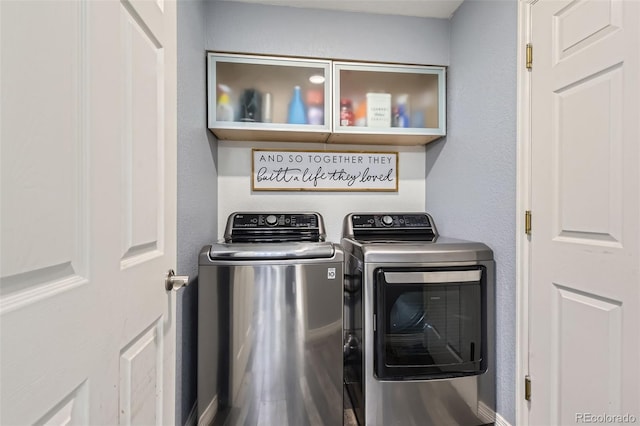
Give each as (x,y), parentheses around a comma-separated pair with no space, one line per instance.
(421,8)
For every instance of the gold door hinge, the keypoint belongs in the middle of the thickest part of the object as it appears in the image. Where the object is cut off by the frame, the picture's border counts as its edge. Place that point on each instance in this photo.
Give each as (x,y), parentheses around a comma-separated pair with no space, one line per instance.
(529,63)
(527,388)
(527,222)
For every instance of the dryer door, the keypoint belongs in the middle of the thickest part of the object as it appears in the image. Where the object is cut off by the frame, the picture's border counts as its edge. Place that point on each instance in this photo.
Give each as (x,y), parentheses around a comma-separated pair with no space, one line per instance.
(429,322)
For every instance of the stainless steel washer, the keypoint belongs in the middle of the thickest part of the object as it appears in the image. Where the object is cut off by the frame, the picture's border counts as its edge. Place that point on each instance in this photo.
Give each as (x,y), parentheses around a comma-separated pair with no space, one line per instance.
(270,304)
(419,323)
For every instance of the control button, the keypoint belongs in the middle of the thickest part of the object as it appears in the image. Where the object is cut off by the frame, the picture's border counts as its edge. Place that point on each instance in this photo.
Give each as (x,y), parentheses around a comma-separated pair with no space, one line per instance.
(271,220)
(387,220)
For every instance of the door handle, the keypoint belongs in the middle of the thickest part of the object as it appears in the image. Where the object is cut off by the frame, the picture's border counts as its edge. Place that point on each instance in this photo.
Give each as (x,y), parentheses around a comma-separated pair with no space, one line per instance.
(175,282)
(433,277)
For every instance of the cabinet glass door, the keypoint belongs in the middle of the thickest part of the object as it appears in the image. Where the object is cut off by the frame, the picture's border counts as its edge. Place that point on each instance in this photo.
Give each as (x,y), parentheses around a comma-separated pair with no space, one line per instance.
(377,99)
(259,93)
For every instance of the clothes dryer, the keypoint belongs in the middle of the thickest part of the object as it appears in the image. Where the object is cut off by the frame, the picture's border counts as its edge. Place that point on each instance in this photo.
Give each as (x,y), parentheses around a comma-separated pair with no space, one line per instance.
(419,323)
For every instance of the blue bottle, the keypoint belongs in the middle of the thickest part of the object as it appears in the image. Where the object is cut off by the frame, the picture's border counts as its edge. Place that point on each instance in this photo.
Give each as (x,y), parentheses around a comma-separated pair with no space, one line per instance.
(403,111)
(297,114)
(403,118)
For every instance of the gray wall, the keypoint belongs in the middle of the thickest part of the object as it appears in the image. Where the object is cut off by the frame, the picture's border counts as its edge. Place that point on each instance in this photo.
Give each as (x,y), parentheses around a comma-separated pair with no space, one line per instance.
(252,28)
(197,192)
(471,175)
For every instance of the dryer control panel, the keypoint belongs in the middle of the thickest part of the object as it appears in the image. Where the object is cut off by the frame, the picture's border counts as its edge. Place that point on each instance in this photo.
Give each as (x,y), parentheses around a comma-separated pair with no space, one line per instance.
(390,226)
(391,221)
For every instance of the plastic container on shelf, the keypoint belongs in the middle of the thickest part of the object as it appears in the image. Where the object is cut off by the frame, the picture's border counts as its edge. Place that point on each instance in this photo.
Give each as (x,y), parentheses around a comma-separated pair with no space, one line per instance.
(297,113)
(224,110)
(315,107)
(361,114)
(346,113)
(401,116)
(378,109)
(267,108)
(251,106)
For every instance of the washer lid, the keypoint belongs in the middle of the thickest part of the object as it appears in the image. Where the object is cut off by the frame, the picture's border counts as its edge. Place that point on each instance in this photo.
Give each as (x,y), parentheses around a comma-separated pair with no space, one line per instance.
(271,251)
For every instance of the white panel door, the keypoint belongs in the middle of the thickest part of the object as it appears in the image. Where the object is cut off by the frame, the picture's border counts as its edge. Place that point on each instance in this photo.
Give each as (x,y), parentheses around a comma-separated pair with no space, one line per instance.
(585,264)
(88,212)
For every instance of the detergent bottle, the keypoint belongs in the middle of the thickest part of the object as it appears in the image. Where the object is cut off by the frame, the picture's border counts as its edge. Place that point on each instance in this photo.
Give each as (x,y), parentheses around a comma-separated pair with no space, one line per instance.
(224,110)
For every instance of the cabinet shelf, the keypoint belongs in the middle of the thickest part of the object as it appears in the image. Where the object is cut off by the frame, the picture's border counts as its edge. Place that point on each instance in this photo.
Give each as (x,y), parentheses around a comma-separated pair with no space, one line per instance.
(249,99)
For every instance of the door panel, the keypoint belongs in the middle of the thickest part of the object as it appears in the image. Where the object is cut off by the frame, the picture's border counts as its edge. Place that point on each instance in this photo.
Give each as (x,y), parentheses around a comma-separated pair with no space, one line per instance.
(44,202)
(579,25)
(143,140)
(600,324)
(589,159)
(584,277)
(141,382)
(88,212)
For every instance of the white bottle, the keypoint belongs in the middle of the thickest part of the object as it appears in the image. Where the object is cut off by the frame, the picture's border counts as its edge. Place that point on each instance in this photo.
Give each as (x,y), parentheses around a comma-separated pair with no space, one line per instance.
(224,110)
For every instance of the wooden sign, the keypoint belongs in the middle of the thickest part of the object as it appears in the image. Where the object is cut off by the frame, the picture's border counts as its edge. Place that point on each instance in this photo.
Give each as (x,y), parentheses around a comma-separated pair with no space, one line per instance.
(324,170)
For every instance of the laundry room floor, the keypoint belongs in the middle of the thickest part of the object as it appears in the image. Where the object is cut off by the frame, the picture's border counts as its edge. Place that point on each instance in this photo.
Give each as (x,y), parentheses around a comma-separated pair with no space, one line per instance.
(349,415)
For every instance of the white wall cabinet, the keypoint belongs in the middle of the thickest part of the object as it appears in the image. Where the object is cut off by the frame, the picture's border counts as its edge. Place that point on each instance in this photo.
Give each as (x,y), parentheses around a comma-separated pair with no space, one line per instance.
(254,98)
(249,98)
(392,104)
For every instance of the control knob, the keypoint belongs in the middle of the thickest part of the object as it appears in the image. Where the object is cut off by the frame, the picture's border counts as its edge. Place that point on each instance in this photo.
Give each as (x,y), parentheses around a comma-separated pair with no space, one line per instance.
(271,220)
(387,220)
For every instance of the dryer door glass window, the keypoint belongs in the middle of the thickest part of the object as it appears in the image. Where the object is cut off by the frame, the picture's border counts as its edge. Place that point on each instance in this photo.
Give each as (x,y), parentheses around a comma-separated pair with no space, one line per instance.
(429,322)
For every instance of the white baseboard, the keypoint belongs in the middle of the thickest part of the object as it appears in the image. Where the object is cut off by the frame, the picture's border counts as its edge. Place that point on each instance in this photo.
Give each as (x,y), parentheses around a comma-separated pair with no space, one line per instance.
(500,421)
(209,413)
(193,415)
(487,415)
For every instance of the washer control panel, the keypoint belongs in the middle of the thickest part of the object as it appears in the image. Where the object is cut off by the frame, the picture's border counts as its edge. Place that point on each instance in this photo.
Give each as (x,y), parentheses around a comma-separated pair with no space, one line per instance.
(275,220)
(391,220)
(260,227)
